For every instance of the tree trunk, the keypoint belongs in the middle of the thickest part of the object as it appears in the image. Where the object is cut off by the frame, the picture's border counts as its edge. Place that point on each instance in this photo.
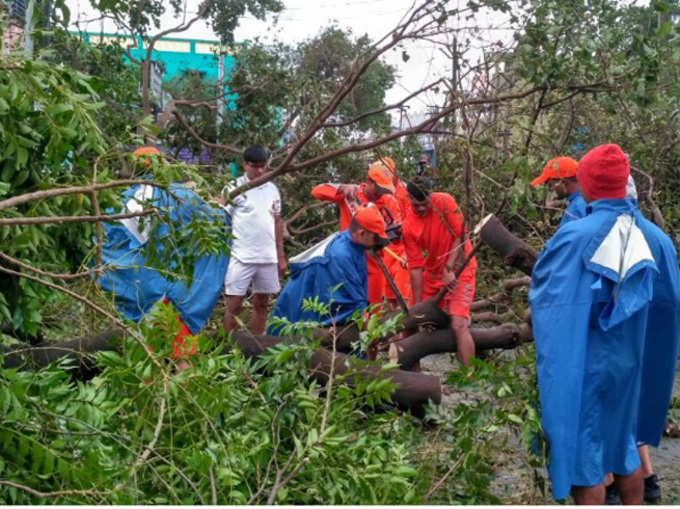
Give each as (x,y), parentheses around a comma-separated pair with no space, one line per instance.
(344,336)
(413,390)
(146,79)
(426,313)
(408,351)
(514,251)
(25,356)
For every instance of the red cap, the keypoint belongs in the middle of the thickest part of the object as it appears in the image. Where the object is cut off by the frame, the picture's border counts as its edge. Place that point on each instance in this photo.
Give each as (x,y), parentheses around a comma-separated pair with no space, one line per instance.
(603,172)
(370,219)
(558,168)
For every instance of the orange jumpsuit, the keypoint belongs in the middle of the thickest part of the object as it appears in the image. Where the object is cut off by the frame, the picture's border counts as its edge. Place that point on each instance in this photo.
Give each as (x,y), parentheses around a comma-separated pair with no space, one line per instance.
(429,240)
(401,195)
(389,209)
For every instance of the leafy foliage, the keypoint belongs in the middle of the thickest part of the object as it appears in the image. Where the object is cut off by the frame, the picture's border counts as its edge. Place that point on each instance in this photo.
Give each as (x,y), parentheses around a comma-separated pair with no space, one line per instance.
(143,16)
(235,431)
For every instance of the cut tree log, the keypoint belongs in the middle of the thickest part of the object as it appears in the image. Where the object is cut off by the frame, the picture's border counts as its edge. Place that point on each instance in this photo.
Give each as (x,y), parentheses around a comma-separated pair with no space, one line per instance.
(510,284)
(344,336)
(489,301)
(426,314)
(513,250)
(487,316)
(25,356)
(408,351)
(413,390)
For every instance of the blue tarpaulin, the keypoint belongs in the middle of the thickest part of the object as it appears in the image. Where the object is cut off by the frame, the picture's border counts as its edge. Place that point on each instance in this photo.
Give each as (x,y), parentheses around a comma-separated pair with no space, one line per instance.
(136,286)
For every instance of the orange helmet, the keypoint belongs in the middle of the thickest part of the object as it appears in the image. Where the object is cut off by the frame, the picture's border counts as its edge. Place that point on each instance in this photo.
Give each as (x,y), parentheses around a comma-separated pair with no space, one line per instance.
(144,152)
(370,219)
(558,168)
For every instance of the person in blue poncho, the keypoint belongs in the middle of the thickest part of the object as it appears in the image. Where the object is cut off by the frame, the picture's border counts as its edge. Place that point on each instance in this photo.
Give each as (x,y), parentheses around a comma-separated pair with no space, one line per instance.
(333,270)
(136,286)
(605,304)
(559,175)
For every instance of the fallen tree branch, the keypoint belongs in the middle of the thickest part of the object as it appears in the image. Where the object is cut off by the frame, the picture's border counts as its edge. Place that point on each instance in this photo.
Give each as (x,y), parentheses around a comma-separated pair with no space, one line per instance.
(514,251)
(73,219)
(93,306)
(510,284)
(63,191)
(154,440)
(443,479)
(54,275)
(412,392)
(80,350)
(218,146)
(406,352)
(487,316)
(657,216)
(489,301)
(52,494)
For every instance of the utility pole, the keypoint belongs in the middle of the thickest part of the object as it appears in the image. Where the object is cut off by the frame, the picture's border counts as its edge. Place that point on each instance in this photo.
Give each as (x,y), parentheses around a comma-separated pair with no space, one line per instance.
(454,79)
(434,111)
(28,31)
(220,91)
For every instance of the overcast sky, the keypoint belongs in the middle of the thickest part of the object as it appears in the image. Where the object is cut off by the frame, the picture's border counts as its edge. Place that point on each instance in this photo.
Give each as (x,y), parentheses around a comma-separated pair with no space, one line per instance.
(302,19)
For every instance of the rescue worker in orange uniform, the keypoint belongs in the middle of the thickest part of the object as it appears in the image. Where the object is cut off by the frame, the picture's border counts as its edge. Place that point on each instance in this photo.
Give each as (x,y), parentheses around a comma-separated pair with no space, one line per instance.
(377,189)
(397,265)
(400,193)
(436,247)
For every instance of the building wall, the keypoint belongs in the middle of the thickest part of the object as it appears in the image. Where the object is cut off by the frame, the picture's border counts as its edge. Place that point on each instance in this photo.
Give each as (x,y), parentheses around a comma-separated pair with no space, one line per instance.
(176,55)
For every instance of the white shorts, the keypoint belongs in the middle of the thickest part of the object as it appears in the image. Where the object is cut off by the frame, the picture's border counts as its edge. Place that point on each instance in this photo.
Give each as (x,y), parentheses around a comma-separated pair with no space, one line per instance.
(264,276)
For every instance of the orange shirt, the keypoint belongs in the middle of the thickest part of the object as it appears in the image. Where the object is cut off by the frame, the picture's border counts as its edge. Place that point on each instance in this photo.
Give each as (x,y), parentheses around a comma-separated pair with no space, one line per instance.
(389,209)
(387,204)
(401,196)
(429,239)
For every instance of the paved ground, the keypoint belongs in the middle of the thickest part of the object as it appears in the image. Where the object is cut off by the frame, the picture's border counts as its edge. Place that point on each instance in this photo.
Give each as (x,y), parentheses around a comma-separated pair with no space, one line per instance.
(515,480)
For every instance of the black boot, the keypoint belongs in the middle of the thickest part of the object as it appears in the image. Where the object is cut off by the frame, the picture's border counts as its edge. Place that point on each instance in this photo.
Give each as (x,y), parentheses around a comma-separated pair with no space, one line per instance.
(652,489)
(611,496)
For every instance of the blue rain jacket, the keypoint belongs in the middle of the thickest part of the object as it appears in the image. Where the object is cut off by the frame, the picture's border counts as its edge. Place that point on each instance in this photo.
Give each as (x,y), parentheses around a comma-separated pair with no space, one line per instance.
(335,271)
(576,209)
(605,303)
(137,288)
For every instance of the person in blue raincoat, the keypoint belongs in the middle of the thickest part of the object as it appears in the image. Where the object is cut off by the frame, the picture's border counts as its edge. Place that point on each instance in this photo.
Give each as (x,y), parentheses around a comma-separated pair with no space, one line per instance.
(559,175)
(605,304)
(136,287)
(333,270)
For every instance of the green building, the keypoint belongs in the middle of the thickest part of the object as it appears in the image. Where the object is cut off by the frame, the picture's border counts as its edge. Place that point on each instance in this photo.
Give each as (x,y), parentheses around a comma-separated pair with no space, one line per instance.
(175,54)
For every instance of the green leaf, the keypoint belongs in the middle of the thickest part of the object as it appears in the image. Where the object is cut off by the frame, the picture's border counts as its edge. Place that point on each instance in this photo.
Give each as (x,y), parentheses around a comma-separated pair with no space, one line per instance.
(664,30)
(56,109)
(22,159)
(515,418)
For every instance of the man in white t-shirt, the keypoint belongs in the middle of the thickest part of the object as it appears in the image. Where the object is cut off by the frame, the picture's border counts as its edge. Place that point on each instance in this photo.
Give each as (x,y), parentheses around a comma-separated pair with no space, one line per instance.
(257,255)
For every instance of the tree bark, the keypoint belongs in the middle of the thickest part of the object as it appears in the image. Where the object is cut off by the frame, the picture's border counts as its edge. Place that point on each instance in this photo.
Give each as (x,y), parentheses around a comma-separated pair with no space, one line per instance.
(410,350)
(514,251)
(344,336)
(25,356)
(413,390)
(426,313)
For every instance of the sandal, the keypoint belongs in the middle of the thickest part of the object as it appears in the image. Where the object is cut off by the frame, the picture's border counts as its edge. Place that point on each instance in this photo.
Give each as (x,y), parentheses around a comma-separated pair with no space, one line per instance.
(671,429)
